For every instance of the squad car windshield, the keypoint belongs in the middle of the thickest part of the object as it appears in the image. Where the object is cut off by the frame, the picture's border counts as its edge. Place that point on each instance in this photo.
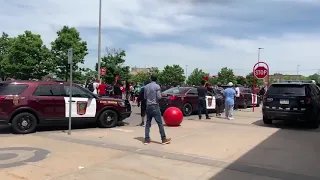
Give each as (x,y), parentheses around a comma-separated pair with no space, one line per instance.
(287,89)
(176,90)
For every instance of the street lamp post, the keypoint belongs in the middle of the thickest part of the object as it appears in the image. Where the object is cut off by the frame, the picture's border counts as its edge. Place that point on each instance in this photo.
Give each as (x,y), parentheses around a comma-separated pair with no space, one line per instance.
(99,42)
(259,49)
(298,66)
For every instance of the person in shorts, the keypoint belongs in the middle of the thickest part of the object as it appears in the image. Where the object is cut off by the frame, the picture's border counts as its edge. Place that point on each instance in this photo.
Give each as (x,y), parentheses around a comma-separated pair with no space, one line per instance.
(142,103)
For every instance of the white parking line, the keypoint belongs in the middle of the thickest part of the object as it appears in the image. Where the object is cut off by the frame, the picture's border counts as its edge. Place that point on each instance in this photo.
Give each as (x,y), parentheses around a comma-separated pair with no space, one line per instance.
(122,130)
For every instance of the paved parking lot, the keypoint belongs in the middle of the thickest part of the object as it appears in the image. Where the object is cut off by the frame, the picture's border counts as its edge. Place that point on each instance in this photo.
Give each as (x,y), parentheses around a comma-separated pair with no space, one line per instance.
(208,149)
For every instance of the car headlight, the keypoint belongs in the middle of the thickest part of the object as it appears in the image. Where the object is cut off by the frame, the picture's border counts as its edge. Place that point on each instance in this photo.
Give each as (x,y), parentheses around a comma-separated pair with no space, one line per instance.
(122,104)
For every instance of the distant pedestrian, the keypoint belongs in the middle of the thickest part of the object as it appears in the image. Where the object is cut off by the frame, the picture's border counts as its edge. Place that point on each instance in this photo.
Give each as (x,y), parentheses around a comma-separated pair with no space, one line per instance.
(95,86)
(219,95)
(229,95)
(142,103)
(202,105)
(236,105)
(102,88)
(152,94)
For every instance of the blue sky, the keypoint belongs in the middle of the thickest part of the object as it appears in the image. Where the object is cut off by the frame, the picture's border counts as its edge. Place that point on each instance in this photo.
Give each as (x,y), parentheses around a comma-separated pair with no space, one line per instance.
(206,34)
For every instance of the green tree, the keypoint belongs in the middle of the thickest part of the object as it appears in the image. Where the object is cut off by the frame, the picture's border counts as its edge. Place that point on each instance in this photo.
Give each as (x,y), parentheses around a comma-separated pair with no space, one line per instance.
(315,77)
(28,57)
(68,38)
(5,42)
(249,80)
(241,80)
(226,75)
(196,77)
(114,63)
(173,75)
(213,80)
(140,77)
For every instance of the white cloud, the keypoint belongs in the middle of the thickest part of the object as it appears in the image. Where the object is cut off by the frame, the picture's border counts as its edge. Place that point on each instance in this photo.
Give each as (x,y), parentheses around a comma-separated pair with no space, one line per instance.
(281,53)
(171,33)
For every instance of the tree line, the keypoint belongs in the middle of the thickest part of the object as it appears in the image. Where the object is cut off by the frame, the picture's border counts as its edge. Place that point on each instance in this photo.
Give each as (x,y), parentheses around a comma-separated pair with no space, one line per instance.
(26,57)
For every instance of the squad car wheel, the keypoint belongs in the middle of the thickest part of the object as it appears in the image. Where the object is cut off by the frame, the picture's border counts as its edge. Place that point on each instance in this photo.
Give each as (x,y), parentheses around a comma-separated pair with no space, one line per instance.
(187,109)
(108,119)
(267,120)
(24,123)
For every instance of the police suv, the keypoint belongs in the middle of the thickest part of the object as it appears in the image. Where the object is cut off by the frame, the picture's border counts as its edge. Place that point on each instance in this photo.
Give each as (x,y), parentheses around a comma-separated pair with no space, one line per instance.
(292,100)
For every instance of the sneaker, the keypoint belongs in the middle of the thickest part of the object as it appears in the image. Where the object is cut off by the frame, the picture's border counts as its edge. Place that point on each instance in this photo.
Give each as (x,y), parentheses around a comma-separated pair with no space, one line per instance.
(230,118)
(208,118)
(166,141)
(141,124)
(146,142)
(200,117)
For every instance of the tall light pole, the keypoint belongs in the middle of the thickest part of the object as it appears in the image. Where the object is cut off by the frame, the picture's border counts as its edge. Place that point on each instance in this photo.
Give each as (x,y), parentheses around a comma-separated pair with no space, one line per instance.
(259,49)
(298,66)
(99,42)
(186,73)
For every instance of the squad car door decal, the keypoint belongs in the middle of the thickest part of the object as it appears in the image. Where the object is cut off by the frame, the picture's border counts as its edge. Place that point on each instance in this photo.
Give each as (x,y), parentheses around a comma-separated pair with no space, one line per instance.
(211,102)
(81,107)
(254,98)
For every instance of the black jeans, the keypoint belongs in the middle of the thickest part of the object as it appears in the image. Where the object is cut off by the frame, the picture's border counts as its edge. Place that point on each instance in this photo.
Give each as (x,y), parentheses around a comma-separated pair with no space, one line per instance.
(219,106)
(202,106)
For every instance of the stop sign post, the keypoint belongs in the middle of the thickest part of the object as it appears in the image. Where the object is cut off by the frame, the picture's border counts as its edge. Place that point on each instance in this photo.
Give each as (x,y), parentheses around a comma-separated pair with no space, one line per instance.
(260,71)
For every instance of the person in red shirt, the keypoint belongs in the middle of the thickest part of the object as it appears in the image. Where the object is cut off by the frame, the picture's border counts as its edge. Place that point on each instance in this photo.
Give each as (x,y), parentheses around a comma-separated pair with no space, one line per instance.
(102,89)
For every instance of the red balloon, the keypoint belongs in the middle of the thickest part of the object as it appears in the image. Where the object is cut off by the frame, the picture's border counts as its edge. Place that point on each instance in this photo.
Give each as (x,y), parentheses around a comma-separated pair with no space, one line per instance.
(173,116)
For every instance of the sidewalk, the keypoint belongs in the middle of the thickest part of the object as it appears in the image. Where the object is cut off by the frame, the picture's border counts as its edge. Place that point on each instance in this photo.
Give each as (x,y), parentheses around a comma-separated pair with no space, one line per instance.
(213,149)
(251,149)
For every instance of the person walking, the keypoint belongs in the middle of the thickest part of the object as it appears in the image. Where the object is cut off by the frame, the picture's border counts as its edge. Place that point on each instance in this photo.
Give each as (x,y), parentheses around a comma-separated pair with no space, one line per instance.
(229,95)
(219,95)
(152,94)
(141,101)
(202,105)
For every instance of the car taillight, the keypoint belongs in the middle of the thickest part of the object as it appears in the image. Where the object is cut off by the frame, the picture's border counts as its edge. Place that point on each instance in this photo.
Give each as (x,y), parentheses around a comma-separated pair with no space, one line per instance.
(308,100)
(173,98)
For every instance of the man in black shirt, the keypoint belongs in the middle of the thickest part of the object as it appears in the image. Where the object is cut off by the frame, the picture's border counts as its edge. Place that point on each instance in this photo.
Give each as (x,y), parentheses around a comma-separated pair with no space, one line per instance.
(142,103)
(202,105)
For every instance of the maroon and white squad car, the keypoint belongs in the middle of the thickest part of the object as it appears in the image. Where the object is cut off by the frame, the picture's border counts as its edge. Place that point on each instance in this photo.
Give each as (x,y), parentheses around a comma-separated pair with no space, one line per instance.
(27,104)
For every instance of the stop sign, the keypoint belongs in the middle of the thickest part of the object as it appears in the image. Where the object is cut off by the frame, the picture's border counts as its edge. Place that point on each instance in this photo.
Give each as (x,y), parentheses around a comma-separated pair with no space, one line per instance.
(261,72)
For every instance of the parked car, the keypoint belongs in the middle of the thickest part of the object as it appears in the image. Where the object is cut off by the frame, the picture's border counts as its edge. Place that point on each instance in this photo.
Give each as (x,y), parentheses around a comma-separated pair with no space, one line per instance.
(292,100)
(27,104)
(186,99)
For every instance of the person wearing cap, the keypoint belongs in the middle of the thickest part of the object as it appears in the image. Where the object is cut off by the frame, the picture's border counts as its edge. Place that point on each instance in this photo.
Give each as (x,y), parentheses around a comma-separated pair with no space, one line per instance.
(229,95)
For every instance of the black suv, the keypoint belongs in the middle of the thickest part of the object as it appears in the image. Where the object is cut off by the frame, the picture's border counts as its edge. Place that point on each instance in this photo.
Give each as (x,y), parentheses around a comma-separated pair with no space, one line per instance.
(292,100)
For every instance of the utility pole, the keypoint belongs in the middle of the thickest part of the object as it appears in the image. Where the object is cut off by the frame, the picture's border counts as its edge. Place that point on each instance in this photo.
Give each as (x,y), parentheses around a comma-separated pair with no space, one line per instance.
(318,79)
(298,66)
(259,49)
(99,42)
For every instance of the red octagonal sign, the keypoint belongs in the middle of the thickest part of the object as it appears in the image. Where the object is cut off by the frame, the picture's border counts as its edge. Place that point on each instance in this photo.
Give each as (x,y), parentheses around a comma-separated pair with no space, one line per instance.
(261,72)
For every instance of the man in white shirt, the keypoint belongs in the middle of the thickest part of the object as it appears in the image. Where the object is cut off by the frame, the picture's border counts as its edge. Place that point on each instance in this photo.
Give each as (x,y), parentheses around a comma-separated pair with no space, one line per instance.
(237,97)
(95,87)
